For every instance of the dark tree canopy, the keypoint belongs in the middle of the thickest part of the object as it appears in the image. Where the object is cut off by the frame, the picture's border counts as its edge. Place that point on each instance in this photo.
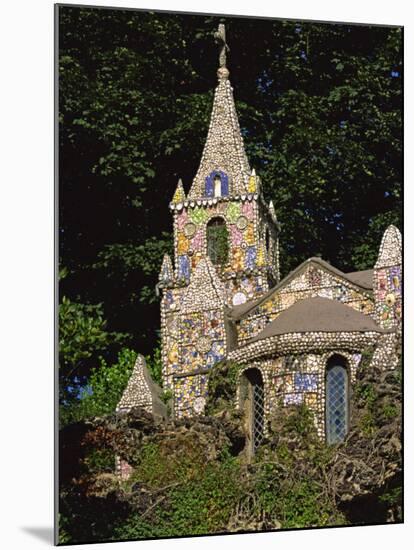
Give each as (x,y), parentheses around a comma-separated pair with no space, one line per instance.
(320,110)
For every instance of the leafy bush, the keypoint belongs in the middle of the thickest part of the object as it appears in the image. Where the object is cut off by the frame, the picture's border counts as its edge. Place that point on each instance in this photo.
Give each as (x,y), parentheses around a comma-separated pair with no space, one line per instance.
(103,391)
(199,498)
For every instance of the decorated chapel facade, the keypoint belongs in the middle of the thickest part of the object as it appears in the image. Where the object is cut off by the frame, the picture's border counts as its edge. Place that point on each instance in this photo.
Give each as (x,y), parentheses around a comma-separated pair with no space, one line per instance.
(296,340)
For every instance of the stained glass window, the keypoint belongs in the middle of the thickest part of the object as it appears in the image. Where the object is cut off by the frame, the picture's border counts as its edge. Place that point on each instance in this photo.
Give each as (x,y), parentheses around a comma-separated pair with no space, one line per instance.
(336,404)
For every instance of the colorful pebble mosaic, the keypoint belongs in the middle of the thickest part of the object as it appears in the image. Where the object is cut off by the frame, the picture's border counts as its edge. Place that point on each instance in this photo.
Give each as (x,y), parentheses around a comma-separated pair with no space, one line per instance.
(202,298)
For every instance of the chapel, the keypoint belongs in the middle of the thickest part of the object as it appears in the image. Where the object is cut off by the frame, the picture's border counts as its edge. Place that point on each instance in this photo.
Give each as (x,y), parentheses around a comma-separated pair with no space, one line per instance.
(295,340)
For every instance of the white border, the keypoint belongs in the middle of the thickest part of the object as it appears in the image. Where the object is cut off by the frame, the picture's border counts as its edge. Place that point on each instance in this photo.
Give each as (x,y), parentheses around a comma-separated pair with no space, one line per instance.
(26,220)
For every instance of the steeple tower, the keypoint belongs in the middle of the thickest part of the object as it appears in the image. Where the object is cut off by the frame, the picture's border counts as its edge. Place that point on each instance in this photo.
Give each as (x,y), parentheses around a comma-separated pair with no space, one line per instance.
(225,252)
(224,215)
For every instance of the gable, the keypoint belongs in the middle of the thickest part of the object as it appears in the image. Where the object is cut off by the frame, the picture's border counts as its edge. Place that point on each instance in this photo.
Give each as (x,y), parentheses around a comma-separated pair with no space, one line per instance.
(314,275)
(312,279)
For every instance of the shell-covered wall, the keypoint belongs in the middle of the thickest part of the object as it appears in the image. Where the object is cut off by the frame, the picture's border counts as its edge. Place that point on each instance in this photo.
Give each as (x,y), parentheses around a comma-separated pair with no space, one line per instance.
(194,337)
(296,379)
(250,262)
(313,281)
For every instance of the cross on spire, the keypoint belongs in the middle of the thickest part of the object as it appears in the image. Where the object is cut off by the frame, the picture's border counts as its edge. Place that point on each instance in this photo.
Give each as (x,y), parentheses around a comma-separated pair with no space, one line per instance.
(220,36)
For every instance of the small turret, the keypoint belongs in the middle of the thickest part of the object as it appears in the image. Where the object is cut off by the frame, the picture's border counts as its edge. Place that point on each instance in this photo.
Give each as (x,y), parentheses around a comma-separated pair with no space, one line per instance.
(179,195)
(387,280)
(390,249)
(166,275)
(252,186)
(272,211)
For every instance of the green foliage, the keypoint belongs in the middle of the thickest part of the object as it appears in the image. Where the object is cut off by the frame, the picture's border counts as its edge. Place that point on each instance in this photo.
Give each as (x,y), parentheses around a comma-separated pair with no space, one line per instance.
(167,396)
(103,391)
(154,364)
(393,496)
(64,536)
(222,387)
(100,460)
(200,500)
(82,333)
(297,503)
(367,394)
(83,338)
(218,242)
(301,421)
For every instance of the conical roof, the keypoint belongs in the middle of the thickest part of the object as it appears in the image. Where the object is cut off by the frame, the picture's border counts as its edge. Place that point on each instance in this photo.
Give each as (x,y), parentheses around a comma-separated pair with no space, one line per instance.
(142,391)
(224,147)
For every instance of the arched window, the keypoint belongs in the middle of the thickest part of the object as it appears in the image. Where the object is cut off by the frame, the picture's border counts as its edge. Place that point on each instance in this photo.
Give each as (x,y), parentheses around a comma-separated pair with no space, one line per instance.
(217,241)
(336,400)
(217,185)
(252,402)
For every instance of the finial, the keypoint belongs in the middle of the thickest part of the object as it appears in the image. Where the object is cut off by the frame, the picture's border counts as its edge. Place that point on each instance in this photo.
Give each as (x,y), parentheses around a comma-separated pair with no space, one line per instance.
(220,36)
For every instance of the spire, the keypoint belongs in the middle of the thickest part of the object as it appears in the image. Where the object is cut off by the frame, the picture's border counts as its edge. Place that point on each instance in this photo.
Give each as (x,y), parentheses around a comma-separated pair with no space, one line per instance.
(224,149)
(179,195)
(167,272)
(272,211)
(391,248)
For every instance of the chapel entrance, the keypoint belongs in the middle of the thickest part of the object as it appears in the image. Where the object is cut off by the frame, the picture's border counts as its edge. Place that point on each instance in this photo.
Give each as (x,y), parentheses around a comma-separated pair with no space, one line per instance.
(252,403)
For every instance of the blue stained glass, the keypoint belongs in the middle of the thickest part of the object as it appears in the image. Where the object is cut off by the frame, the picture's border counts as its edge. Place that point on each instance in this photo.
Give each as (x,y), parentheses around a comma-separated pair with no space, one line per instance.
(224,184)
(336,404)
